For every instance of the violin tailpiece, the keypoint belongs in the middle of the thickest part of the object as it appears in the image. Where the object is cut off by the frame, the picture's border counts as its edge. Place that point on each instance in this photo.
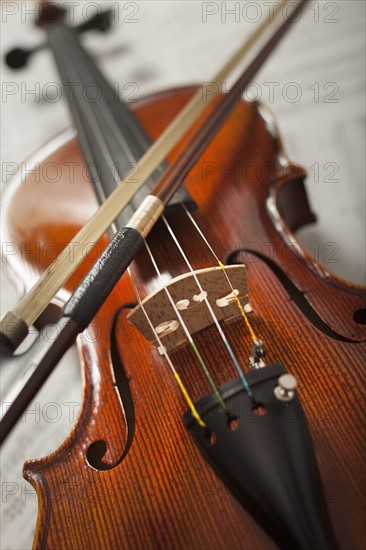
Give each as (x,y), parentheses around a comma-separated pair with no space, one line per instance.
(263,452)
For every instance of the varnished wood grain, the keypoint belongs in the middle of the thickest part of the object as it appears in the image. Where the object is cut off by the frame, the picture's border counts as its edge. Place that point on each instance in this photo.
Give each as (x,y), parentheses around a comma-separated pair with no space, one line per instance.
(162,494)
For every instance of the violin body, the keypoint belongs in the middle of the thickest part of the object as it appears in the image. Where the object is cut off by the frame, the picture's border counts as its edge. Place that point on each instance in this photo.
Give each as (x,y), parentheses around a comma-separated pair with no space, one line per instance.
(147,485)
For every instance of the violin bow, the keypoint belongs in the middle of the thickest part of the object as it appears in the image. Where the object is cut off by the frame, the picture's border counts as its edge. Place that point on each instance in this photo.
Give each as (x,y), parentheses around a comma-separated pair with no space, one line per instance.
(116,258)
(15,325)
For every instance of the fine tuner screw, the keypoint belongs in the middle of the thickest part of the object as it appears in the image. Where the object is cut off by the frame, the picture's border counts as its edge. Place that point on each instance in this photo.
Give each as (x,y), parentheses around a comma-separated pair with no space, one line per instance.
(286,389)
(258,352)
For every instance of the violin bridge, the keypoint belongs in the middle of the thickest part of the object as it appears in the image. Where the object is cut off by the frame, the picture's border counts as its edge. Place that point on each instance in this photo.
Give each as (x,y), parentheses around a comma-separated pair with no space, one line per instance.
(191,305)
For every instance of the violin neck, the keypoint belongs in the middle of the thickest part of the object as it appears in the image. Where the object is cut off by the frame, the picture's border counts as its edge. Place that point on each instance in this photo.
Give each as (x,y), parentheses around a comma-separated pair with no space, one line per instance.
(110,137)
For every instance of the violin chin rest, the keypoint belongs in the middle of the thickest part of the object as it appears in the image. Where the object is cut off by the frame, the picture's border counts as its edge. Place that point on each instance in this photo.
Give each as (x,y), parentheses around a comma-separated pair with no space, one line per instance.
(262,450)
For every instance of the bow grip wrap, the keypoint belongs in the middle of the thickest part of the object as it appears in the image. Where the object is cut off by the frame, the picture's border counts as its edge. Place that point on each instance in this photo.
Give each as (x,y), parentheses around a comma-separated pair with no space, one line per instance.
(102,278)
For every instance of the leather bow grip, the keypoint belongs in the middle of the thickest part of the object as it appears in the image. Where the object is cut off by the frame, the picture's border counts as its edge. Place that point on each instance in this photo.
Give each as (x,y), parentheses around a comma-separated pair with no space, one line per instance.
(102,278)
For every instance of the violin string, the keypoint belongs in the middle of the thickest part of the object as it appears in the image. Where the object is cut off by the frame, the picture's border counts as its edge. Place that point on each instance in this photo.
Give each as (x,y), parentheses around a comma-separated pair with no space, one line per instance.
(178,379)
(187,333)
(80,63)
(100,139)
(98,134)
(107,118)
(241,309)
(212,313)
(90,112)
(85,108)
(98,118)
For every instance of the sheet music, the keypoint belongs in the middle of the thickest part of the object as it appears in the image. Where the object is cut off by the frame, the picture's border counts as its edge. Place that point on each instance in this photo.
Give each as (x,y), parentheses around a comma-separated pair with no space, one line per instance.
(314,84)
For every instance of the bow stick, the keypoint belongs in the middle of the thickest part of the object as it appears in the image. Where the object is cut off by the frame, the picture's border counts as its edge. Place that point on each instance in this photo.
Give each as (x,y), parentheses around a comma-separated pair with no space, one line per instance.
(106,272)
(15,325)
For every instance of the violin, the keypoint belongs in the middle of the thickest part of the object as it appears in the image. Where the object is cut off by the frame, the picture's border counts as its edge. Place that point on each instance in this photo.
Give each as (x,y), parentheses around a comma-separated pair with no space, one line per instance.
(152,480)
